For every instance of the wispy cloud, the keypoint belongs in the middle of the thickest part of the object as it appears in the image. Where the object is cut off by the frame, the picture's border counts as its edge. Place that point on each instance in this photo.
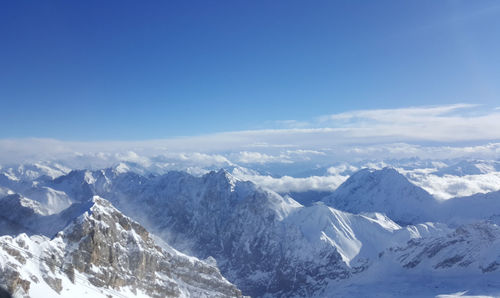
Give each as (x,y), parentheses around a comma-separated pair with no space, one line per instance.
(402,115)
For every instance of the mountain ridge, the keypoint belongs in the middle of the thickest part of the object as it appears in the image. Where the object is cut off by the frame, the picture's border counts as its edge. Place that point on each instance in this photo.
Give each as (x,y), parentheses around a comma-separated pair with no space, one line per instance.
(265,243)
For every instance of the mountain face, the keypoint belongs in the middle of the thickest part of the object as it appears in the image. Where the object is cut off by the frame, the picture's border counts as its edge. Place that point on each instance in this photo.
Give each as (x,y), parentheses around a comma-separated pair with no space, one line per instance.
(384,191)
(104,253)
(374,226)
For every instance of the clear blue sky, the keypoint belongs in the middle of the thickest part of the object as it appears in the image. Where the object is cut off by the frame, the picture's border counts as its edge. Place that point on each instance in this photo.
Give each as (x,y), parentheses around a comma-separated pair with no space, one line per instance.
(130,70)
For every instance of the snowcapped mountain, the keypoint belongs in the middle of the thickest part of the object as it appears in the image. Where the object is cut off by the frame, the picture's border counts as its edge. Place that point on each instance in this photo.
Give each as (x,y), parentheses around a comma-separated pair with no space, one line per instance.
(389,192)
(264,243)
(103,253)
(385,191)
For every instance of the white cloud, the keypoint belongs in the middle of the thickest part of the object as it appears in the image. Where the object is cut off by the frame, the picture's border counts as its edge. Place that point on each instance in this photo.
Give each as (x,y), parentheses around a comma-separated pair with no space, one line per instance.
(260,158)
(201,159)
(292,184)
(338,170)
(302,152)
(449,123)
(284,156)
(404,150)
(449,186)
(131,156)
(387,133)
(410,114)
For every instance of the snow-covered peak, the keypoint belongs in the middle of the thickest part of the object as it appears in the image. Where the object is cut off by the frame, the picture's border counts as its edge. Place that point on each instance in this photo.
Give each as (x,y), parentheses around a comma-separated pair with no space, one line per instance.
(374,176)
(222,178)
(102,206)
(121,168)
(385,191)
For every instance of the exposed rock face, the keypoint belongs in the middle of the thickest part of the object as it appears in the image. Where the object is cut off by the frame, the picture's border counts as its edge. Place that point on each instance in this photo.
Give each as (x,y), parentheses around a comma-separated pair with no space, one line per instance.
(106,250)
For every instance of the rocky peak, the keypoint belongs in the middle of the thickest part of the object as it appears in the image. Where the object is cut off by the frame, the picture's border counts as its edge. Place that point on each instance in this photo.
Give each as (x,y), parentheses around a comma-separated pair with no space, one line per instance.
(127,255)
(111,252)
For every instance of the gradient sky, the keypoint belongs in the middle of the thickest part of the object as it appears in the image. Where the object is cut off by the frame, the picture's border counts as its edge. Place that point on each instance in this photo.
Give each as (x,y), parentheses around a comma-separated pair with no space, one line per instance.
(136,70)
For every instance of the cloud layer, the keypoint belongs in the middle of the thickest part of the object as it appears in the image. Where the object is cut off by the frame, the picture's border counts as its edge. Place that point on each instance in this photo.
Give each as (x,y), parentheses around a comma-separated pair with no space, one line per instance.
(354,135)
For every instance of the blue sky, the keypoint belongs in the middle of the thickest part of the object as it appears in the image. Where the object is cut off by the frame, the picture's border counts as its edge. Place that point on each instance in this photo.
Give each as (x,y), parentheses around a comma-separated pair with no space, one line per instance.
(130,70)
